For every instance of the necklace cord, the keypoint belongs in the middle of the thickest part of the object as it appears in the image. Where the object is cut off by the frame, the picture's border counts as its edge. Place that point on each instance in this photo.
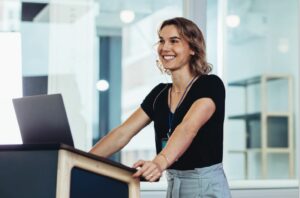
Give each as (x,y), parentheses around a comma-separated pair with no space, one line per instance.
(171,115)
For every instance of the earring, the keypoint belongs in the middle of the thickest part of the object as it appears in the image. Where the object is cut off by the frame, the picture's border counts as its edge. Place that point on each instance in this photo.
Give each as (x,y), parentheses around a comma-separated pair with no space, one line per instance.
(161,67)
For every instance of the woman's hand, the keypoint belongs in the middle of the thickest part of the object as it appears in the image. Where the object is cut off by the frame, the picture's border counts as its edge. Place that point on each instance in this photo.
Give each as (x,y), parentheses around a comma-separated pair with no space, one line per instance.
(150,170)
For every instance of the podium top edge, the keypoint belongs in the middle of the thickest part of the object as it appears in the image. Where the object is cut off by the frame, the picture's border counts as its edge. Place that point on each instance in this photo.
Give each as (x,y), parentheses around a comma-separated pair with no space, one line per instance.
(36,147)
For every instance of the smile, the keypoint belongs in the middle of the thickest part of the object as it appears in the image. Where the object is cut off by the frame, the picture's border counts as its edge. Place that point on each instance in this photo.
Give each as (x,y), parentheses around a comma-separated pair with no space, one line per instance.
(169,57)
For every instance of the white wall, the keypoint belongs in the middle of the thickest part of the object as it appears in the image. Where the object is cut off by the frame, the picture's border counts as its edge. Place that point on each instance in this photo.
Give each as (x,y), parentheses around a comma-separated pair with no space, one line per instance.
(10,85)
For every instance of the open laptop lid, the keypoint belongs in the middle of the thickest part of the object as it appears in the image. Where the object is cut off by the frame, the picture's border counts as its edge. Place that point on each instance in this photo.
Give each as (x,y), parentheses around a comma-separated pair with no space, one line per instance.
(43,119)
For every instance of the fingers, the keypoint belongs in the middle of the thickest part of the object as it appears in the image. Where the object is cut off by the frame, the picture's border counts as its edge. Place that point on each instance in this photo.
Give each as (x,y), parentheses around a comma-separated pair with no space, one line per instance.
(149,172)
(138,164)
(148,169)
(154,175)
(144,166)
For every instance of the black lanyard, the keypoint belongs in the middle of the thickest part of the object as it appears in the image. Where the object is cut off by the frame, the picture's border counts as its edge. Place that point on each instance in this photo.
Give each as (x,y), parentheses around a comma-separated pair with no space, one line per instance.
(171,115)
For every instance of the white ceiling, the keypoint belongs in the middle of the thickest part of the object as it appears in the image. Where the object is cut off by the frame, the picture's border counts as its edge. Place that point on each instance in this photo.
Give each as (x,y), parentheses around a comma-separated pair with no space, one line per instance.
(107,17)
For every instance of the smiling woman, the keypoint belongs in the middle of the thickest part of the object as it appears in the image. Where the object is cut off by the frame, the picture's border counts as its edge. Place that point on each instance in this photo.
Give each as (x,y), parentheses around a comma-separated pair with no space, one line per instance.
(188,116)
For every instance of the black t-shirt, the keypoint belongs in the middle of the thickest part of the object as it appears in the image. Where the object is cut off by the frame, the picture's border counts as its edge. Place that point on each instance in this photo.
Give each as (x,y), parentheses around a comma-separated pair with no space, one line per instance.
(207,147)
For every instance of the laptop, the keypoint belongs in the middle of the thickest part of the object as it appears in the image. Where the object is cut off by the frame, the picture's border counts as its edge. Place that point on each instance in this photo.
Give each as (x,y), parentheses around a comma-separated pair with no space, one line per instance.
(42,119)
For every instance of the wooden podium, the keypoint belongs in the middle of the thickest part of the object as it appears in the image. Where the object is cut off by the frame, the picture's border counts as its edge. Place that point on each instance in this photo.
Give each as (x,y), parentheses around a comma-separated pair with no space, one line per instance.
(60,171)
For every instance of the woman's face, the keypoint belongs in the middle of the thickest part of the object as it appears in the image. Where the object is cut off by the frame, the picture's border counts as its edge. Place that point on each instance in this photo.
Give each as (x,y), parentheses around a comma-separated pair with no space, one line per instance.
(173,50)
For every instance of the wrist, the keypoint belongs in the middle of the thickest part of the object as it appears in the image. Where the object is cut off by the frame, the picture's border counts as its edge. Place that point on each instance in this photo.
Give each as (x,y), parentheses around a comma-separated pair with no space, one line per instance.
(165,158)
(162,161)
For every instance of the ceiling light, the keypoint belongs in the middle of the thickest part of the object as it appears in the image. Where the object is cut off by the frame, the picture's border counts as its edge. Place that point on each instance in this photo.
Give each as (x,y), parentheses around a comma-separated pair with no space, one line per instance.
(233,21)
(127,16)
(102,85)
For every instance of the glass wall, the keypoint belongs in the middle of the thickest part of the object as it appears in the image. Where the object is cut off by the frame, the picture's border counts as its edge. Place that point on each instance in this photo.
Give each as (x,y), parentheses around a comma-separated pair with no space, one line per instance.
(59,56)
(259,57)
(67,46)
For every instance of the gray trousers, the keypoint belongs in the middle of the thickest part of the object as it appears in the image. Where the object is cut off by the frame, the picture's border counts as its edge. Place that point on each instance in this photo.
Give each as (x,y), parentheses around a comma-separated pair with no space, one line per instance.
(207,182)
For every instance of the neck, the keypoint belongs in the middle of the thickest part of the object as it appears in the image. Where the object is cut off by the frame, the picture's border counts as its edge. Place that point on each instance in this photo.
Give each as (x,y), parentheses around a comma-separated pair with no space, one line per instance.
(180,81)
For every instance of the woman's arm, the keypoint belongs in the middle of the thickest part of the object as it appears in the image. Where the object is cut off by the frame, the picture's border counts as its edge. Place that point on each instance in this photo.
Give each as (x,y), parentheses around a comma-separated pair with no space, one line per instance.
(199,113)
(183,135)
(117,138)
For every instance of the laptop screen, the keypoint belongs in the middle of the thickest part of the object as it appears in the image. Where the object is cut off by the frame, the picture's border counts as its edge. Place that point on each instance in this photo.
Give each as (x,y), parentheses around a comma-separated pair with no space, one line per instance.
(43,119)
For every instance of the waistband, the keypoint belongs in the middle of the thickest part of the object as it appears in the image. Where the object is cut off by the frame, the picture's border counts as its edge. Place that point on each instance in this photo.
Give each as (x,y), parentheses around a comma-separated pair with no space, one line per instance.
(205,172)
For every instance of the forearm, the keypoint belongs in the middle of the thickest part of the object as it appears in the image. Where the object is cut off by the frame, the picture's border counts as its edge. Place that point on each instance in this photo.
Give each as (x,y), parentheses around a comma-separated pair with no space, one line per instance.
(109,144)
(120,136)
(177,144)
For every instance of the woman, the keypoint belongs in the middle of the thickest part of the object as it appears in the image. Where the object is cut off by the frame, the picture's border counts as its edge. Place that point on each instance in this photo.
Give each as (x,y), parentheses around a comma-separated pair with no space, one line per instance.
(188,117)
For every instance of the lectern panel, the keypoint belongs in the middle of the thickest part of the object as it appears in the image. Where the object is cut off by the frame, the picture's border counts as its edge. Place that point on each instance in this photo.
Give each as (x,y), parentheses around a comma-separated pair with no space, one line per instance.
(28,174)
(88,184)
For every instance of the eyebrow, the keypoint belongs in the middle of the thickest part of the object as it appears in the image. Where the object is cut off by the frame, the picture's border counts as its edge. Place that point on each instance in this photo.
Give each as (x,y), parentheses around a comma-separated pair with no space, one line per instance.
(172,37)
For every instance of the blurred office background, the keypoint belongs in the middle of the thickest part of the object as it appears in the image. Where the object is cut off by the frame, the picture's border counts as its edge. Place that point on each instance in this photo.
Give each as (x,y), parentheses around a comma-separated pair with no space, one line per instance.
(100,54)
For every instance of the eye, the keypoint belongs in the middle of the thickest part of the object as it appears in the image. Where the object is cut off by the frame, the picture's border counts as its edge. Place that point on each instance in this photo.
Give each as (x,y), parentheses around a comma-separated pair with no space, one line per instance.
(161,41)
(173,41)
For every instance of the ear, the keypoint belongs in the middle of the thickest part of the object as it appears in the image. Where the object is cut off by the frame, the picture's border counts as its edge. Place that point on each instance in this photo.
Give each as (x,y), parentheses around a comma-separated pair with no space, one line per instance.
(192,53)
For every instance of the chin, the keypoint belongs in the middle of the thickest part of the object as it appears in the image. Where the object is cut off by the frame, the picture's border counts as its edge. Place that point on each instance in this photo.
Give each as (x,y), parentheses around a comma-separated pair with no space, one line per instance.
(169,67)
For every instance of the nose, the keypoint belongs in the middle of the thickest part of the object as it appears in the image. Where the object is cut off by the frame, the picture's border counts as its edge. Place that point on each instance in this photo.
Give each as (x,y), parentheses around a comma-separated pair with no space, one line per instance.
(165,46)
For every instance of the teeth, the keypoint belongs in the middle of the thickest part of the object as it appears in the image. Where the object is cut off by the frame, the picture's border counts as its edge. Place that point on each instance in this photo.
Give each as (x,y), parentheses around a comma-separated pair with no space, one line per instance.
(169,57)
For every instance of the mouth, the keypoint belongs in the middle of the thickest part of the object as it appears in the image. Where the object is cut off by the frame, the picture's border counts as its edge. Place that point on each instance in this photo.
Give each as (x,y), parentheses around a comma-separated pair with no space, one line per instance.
(168,57)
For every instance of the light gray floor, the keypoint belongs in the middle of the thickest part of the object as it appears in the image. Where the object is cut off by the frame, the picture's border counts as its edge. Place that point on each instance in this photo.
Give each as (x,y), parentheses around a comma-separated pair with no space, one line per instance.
(249,193)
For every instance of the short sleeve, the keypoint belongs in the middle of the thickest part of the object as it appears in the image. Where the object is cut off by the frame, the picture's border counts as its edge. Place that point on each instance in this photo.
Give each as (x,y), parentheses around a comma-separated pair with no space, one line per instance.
(213,87)
(149,101)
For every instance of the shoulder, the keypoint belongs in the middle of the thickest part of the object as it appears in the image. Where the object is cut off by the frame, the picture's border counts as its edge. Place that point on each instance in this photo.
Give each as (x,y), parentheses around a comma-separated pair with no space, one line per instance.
(150,100)
(158,88)
(156,91)
(211,86)
(210,80)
